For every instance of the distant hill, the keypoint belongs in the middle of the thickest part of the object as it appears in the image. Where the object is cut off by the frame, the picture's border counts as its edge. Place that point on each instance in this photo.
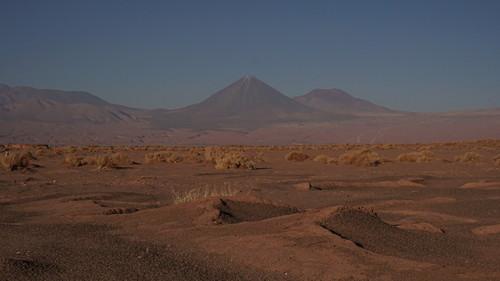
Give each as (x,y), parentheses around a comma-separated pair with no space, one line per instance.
(42,105)
(338,101)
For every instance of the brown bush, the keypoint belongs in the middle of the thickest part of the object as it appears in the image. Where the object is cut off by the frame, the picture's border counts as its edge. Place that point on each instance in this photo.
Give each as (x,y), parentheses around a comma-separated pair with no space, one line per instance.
(234,160)
(362,158)
(212,153)
(496,159)
(418,157)
(325,159)
(74,160)
(296,156)
(11,161)
(163,156)
(469,157)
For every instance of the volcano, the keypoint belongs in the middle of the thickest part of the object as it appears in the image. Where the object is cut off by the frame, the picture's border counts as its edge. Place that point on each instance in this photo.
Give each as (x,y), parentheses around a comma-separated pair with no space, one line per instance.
(250,98)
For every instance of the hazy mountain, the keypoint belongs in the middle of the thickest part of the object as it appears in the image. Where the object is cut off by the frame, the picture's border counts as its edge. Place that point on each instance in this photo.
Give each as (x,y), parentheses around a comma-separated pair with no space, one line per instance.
(247,97)
(42,105)
(338,101)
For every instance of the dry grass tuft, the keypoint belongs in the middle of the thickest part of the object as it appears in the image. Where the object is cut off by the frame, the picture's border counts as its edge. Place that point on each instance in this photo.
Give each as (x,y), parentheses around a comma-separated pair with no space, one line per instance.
(325,159)
(496,159)
(12,161)
(163,156)
(362,158)
(469,157)
(199,193)
(234,160)
(296,156)
(74,160)
(418,157)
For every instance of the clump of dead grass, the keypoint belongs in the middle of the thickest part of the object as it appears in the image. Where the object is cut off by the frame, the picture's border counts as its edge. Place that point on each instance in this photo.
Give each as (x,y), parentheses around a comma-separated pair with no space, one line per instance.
(204,192)
(496,159)
(325,159)
(362,158)
(107,160)
(11,161)
(417,157)
(234,160)
(296,156)
(163,156)
(74,160)
(469,157)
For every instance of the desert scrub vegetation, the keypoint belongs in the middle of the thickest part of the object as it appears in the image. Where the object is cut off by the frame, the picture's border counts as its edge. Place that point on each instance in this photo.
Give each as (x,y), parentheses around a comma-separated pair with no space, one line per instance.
(107,160)
(11,161)
(417,157)
(203,192)
(296,156)
(234,160)
(74,160)
(325,159)
(163,157)
(228,158)
(469,157)
(496,159)
(362,158)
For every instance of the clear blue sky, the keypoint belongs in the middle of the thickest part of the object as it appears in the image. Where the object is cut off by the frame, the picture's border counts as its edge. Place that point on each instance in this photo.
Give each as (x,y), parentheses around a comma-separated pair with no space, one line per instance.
(409,55)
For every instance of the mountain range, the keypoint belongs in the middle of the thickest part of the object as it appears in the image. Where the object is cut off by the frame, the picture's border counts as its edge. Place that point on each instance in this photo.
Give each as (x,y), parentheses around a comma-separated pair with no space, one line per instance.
(247,111)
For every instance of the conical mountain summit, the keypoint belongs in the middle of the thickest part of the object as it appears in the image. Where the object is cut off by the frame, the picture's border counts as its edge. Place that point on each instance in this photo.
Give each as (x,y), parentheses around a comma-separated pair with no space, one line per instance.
(247,97)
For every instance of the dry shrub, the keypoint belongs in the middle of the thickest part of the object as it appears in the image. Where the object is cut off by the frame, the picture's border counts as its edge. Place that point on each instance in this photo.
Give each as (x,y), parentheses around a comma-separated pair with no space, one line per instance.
(121,158)
(163,156)
(11,161)
(469,157)
(418,157)
(193,155)
(296,156)
(199,193)
(362,158)
(74,160)
(325,159)
(212,153)
(104,161)
(260,157)
(497,159)
(234,160)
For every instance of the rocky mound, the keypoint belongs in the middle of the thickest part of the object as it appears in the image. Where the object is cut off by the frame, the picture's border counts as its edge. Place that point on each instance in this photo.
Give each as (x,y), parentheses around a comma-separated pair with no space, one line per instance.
(364,228)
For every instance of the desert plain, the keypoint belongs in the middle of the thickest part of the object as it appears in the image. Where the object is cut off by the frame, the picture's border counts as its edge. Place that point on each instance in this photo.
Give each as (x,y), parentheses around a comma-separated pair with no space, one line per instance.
(422,211)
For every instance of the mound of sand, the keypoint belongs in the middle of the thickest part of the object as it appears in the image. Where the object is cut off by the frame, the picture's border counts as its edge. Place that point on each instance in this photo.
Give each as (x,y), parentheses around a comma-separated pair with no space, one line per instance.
(215,211)
(365,229)
(487,229)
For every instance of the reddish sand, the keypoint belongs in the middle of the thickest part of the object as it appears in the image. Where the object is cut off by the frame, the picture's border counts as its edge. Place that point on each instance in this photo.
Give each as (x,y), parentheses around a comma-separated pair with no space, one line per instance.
(285,220)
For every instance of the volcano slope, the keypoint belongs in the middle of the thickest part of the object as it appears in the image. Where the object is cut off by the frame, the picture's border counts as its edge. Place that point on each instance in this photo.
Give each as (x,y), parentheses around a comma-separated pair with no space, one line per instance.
(166,213)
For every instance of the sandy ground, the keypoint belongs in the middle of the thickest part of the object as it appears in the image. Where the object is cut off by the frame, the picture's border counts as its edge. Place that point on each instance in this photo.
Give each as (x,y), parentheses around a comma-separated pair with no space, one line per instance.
(285,220)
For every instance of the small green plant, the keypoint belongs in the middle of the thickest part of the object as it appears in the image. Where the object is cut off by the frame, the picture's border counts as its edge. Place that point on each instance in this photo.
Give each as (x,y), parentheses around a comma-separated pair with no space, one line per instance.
(296,156)
(204,192)
(469,157)
(362,158)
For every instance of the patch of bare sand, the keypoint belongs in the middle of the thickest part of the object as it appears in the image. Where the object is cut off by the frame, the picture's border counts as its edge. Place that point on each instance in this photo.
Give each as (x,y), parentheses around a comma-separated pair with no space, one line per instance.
(413,216)
(487,229)
(412,182)
(483,184)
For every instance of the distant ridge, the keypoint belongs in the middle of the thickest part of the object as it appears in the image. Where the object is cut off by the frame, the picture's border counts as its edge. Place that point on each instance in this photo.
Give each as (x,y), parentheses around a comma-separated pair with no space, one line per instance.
(338,101)
(42,105)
